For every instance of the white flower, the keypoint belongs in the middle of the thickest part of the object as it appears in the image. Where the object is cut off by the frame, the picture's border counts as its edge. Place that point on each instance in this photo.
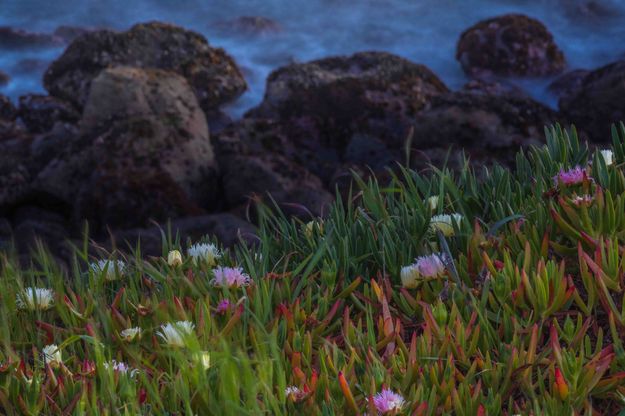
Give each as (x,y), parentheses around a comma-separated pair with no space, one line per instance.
(608,156)
(174,258)
(130,334)
(445,223)
(433,202)
(121,368)
(409,276)
(292,392)
(206,252)
(112,268)
(52,355)
(35,298)
(425,267)
(176,334)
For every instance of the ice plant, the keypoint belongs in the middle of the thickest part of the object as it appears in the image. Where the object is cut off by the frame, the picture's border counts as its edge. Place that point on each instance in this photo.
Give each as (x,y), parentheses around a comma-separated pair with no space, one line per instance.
(310,226)
(583,201)
(129,334)
(206,253)
(223,306)
(110,267)
(608,156)
(433,202)
(560,385)
(121,368)
(230,277)
(570,177)
(174,258)
(445,223)
(388,401)
(35,298)
(293,393)
(204,359)
(52,355)
(425,267)
(176,334)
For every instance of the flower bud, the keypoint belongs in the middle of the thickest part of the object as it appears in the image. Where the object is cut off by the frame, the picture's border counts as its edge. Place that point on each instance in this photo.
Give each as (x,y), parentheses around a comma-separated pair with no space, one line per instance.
(174,258)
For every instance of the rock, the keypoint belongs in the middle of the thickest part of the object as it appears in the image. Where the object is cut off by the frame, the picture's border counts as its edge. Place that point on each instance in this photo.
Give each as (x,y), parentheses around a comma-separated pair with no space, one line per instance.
(7,109)
(597,102)
(211,72)
(69,33)
(33,224)
(250,26)
(291,186)
(227,228)
(510,45)
(15,175)
(568,84)
(322,104)
(143,152)
(4,79)
(489,127)
(40,112)
(491,87)
(12,38)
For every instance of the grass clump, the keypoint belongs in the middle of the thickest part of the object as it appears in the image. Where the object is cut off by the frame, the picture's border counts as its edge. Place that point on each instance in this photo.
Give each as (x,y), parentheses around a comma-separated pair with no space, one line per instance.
(491,293)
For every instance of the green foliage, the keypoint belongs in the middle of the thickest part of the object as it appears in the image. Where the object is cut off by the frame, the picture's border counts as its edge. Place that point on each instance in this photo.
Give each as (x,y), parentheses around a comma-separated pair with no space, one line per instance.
(527,318)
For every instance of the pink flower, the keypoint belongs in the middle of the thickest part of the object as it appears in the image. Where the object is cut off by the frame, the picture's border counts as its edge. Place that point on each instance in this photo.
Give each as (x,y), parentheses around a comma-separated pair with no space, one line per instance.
(230,276)
(431,266)
(387,401)
(223,306)
(570,177)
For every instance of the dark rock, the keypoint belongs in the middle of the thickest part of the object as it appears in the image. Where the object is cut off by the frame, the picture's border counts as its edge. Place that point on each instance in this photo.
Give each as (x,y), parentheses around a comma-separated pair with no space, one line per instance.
(41,112)
(211,72)
(7,109)
(12,38)
(489,127)
(227,228)
(250,26)
(15,175)
(271,174)
(53,233)
(597,102)
(322,104)
(143,152)
(511,45)
(492,87)
(568,84)
(69,33)
(4,79)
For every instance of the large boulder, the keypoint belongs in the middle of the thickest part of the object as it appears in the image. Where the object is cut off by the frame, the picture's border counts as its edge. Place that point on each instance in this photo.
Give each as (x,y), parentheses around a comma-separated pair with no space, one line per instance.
(510,45)
(143,152)
(7,109)
(489,127)
(15,175)
(40,112)
(288,184)
(597,102)
(322,104)
(212,74)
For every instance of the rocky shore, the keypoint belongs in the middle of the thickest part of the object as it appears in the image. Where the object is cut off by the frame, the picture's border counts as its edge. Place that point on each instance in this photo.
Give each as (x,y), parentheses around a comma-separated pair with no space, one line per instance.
(133,130)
